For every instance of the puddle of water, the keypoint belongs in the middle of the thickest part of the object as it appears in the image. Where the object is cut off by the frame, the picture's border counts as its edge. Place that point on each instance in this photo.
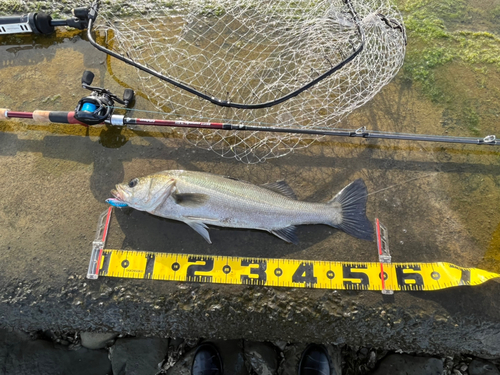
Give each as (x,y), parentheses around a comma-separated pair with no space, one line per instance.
(438,201)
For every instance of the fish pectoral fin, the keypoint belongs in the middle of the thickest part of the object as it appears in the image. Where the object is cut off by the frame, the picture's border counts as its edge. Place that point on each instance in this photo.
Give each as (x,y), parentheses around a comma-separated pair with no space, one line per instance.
(190,199)
(201,228)
(169,187)
(288,234)
(280,187)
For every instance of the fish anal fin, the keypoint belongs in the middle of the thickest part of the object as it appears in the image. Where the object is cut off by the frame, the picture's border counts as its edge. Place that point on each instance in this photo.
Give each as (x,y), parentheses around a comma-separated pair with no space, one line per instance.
(190,199)
(201,228)
(288,234)
(280,187)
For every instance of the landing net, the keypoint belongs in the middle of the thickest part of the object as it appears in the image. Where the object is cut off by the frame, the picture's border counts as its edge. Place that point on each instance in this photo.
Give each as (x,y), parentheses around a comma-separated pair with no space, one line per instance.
(254,52)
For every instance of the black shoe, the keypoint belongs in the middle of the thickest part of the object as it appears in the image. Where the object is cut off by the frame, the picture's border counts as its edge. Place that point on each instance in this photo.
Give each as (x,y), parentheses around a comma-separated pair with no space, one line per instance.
(314,361)
(206,360)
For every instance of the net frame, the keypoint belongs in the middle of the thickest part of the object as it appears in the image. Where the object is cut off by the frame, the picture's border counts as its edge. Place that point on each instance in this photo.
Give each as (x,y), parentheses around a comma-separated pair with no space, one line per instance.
(227,103)
(354,85)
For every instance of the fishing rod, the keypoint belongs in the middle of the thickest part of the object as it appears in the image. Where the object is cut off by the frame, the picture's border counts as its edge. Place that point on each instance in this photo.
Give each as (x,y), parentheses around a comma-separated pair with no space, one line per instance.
(42,23)
(98,107)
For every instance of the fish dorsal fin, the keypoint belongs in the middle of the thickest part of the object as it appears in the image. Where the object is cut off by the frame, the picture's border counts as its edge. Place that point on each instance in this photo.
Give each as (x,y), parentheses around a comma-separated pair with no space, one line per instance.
(189,199)
(201,228)
(280,187)
(288,234)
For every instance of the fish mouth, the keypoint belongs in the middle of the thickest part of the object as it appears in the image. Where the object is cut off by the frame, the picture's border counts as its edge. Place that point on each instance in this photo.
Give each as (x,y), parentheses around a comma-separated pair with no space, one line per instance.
(117,201)
(116,194)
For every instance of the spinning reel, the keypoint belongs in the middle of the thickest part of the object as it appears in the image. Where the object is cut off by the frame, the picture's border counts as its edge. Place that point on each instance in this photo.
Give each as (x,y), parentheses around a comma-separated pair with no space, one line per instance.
(99,105)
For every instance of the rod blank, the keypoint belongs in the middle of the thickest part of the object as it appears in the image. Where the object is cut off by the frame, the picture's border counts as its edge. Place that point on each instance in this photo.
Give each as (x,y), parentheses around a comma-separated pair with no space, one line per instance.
(119,120)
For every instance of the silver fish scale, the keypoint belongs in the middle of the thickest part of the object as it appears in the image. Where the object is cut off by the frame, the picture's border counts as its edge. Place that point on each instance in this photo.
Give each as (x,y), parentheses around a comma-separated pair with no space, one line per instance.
(239,204)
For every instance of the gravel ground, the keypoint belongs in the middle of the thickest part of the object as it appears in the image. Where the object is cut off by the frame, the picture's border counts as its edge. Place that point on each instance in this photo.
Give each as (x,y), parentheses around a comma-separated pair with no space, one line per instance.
(119,354)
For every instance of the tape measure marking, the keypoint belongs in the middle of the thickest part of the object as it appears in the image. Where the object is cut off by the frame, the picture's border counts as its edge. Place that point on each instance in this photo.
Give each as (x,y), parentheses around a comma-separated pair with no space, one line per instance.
(288,272)
(382,276)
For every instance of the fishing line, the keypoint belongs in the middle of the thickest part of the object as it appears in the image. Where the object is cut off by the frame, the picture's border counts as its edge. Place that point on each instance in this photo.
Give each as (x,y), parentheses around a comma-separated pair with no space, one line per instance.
(393,186)
(401,183)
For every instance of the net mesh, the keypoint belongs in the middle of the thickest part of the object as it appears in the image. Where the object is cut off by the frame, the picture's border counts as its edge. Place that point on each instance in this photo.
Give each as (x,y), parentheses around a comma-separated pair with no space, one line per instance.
(254,51)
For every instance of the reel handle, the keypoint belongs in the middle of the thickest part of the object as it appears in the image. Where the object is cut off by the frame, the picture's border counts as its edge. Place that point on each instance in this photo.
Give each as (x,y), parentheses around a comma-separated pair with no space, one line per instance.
(87,78)
(128,96)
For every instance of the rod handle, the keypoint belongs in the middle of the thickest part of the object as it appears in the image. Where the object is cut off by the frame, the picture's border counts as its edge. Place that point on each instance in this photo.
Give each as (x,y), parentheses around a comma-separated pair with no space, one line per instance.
(56,117)
(38,23)
(41,116)
(3,113)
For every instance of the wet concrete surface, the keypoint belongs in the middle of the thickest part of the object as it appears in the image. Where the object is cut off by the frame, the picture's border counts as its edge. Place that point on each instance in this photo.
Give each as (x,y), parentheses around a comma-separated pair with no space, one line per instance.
(438,202)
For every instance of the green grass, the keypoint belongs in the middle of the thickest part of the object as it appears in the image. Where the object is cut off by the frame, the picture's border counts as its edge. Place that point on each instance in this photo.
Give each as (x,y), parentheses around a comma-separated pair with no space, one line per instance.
(439,37)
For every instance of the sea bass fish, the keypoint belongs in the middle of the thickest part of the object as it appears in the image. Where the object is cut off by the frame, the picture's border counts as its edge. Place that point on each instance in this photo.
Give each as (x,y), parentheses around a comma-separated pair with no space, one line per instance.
(200,199)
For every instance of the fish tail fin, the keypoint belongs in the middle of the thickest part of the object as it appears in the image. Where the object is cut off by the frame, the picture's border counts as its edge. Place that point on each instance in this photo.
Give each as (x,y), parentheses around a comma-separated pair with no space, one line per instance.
(353,199)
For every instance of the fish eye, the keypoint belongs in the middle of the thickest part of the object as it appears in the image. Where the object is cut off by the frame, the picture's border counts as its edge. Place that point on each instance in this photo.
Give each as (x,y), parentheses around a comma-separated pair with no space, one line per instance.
(133,182)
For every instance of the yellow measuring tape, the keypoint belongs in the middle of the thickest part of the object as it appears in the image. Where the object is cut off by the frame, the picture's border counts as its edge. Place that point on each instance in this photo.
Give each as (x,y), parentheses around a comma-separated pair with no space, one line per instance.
(383,276)
(287,272)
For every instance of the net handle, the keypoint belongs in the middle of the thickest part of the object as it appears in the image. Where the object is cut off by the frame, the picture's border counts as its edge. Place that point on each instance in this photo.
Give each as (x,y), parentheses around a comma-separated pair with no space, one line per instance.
(93,13)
